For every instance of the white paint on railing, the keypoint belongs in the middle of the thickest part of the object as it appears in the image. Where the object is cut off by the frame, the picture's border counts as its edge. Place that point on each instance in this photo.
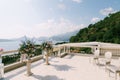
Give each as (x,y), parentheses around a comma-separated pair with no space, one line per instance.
(1,70)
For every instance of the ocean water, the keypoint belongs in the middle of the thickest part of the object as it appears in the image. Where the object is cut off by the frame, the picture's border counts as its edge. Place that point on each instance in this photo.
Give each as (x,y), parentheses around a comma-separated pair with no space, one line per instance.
(14,45)
(10,45)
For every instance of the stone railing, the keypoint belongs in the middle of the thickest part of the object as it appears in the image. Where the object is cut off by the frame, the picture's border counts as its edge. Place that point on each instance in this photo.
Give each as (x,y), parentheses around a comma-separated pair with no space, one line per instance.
(14,65)
(18,63)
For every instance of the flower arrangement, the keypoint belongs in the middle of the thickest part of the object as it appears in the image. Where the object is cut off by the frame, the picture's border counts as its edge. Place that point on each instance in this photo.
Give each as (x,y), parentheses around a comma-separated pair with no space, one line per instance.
(48,48)
(27,47)
(47,45)
(1,49)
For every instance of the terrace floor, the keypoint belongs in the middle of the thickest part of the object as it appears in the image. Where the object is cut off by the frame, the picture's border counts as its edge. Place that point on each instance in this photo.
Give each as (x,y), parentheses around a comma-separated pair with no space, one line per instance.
(71,67)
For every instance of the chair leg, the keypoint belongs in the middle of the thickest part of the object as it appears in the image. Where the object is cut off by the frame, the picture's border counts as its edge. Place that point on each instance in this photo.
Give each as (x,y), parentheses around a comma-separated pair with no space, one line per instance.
(115,75)
(97,61)
(106,68)
(90,60)
(109,73)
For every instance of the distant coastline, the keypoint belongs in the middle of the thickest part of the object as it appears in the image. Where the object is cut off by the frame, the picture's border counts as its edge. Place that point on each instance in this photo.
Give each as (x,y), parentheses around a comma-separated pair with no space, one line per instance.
(14,44)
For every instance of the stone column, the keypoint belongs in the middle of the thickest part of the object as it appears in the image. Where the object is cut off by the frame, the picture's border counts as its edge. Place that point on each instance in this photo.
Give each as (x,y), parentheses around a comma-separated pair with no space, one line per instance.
(28,64)
(64,50)
(1,67)
(47,62)
(69,49)
(59,52)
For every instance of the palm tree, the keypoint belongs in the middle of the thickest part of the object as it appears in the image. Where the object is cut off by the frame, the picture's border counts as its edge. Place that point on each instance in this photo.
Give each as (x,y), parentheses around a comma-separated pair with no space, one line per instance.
(27,47)
(48,48)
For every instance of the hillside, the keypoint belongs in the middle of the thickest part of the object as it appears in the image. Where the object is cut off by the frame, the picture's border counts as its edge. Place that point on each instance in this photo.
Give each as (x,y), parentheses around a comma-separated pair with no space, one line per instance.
(106,30)
(64,37)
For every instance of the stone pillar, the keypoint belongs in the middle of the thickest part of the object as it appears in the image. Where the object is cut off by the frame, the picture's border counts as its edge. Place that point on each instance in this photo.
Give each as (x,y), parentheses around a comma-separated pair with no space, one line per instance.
(59,52)
(69,49)
(47,61)
(0,59)
(28,64)
(23,57)
(64,50)
(92,50)
(99,48)
(1,68)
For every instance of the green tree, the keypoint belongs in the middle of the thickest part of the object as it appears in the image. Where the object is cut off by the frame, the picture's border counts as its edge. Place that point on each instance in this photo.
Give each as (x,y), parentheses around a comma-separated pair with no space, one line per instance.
(106,30)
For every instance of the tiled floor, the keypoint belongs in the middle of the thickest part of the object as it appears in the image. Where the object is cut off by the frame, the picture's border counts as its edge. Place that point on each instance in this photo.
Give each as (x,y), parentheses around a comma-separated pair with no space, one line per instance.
(71,67)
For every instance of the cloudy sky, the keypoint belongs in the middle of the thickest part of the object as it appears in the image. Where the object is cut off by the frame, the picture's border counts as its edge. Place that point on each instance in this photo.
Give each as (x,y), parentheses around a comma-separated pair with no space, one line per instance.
(36,18)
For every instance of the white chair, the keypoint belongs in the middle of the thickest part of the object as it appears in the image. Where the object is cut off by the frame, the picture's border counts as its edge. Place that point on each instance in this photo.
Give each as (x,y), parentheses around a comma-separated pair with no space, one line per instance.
(108,56)
(114,69)
(96,56)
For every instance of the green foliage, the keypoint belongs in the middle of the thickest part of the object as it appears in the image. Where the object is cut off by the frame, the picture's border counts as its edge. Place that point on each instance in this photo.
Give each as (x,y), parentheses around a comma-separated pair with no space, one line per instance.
(86,50)
(61,43)
(83,50)
(27,47)
(38,51)
(46,46)
(8,59)
(107,30)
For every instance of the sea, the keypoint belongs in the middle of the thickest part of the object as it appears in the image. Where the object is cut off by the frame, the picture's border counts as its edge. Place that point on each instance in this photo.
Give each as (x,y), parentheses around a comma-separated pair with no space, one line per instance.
(14,45)
(9,45)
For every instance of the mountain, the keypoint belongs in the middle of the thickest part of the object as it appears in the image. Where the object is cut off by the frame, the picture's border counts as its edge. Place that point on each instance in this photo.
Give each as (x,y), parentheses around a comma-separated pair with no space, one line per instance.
(43,38)
(63,37)
(106,30)
(21,38)
(16,39)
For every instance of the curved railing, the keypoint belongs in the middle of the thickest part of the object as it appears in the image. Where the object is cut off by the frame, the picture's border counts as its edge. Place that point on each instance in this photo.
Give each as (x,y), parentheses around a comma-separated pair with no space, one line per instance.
(13,53)
(17,63)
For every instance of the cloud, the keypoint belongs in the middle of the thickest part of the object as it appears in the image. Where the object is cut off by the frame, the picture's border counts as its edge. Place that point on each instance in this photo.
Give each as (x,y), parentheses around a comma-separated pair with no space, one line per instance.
(13,31)
(52,27)
(50,9)
(77,1)
(61,0)
(95,19)
(62,6)
(47,28)
(28,1)
(107,11)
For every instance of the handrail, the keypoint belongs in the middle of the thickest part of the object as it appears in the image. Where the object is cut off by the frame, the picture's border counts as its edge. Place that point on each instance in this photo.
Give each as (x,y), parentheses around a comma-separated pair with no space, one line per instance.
(6,52)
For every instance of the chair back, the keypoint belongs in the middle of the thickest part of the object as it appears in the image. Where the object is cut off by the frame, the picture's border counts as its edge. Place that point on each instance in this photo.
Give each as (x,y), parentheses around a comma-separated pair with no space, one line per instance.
(97,53)
(108,56)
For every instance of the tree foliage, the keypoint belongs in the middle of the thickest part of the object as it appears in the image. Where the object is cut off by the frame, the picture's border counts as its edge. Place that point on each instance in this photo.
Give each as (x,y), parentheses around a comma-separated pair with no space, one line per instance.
(106,30)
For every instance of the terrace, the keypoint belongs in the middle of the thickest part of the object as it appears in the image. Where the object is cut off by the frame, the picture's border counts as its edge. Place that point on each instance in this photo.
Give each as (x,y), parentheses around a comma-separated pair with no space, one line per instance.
(71,67)
(74,66)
